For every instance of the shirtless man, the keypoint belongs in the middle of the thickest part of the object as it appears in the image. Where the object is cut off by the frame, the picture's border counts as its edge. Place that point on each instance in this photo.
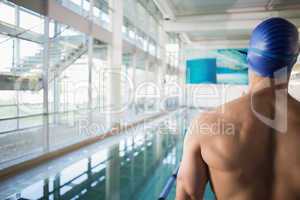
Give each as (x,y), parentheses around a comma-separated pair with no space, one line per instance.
(249,149)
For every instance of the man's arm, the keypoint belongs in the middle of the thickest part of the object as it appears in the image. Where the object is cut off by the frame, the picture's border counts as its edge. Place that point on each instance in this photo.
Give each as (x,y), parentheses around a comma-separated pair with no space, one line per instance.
(192,176)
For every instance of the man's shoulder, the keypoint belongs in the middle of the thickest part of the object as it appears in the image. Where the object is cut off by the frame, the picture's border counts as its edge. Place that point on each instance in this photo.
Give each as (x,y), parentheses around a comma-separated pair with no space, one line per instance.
(235,106)
(225,119)
(230,111)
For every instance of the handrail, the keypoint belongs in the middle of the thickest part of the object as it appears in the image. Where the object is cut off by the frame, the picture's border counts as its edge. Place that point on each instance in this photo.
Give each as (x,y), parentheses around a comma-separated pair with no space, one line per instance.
(18,35)
(61,32)
(11,36)
(47,114)
(102,3)
(105,5)
(169,185)
(39,115)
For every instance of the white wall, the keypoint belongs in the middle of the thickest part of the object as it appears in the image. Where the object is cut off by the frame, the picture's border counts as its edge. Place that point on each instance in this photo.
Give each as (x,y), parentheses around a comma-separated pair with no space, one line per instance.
(213,95)
(294,87)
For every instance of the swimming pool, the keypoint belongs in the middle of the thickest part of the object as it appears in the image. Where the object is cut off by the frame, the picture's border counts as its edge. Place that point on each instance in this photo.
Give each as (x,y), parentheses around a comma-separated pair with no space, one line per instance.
(136,166)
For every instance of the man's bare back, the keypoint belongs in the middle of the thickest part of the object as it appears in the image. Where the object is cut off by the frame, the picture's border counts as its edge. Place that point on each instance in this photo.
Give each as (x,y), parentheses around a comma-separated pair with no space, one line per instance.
(248,148)
(242,156)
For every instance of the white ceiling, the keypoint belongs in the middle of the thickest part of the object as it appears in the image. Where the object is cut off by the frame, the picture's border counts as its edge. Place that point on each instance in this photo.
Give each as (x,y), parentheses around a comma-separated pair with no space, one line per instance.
(200,7)
(219,35)
(204,21)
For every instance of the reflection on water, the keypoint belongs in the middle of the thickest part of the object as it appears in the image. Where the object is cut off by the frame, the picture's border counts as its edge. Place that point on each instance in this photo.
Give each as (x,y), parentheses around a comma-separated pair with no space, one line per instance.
(135,168)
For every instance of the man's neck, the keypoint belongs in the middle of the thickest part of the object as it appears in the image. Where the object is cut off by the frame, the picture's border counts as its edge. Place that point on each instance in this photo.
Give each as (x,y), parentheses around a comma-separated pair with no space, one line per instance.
(258,83)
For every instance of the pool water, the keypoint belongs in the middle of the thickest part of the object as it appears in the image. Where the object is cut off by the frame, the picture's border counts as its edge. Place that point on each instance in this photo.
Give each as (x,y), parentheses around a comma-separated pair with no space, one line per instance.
(136,167)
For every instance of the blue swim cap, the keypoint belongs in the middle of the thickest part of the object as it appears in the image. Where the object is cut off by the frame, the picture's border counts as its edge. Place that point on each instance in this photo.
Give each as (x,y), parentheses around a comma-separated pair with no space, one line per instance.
(273,46)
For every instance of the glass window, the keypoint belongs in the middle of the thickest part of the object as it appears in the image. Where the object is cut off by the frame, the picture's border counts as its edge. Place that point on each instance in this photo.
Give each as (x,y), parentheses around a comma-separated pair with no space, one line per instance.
(30,21)
(6,52)
(31,102)
(86,5)
(28,49)
(105,17)
(76,79)
(68,32)
(8,101)
(51,29)
(7,13)
(124,29)
(131,34)
(96,12)
(78,2)
(145,44)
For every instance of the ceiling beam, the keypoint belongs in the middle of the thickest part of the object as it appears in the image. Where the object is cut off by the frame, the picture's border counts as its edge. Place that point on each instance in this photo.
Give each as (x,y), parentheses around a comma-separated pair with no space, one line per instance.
(230,21)
(218,44)
(181,27)
(165,8)
(226,25)
(185,38)
(260,15)
(168,14)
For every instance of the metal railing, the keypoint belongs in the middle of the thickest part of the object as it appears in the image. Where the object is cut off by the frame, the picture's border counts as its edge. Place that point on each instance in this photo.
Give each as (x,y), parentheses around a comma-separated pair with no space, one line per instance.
(171,182)
(169,185)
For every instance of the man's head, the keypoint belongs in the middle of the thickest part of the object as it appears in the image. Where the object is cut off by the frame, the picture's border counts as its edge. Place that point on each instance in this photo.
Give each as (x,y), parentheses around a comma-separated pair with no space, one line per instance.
(273,49)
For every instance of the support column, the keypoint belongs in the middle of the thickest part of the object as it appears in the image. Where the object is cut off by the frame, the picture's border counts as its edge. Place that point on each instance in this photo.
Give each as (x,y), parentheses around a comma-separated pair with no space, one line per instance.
(147,62)
(56,98)
(158,147)
(46,85)
(147,79)
(89,171)
(182,77)
(134,66)
(113,103)
(163,63)
(56,85)
(17,40)
(56,183)
(17,61)
(132,166)
(112,184)
(81,7)
(90,78)
(46,189)
(145,160)
(90,59)
(133,78)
